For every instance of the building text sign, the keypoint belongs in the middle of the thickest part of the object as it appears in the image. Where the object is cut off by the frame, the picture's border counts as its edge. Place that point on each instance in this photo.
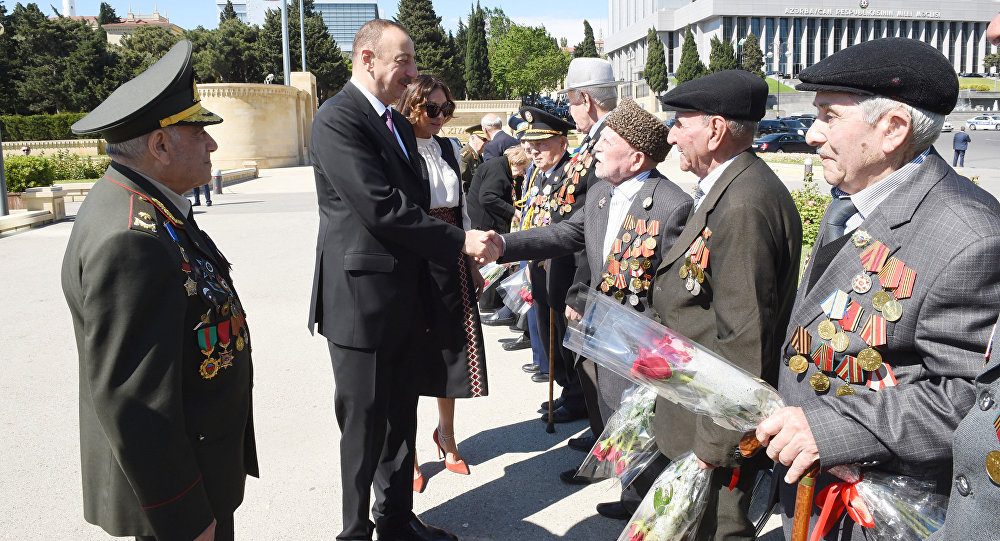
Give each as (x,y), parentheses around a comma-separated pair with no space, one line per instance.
(855,12)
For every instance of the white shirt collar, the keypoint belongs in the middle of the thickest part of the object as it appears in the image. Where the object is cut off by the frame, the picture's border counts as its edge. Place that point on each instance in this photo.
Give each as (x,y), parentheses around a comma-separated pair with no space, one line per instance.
(378,105)
(178,200)
(597,125)
(710,179)
(630,187)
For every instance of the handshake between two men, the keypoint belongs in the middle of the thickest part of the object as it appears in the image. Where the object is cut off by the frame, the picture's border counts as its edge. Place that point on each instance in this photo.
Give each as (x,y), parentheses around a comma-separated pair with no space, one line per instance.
(483,246)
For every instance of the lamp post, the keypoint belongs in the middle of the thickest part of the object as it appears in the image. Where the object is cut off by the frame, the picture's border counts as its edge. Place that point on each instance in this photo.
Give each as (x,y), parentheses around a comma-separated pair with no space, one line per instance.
(3,178)
(782,47)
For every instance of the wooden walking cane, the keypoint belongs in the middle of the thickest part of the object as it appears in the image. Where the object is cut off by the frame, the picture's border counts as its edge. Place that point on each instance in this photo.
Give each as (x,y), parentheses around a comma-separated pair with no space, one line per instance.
(749,446)
(551,427)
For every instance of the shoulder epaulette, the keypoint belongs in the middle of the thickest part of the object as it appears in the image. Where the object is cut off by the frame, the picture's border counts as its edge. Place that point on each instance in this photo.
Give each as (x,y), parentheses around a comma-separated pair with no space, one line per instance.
(142,215)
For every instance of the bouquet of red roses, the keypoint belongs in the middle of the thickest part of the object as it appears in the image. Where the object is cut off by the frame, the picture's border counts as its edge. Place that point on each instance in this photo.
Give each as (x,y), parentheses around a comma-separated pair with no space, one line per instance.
(627,445)
(491,272)
(679,369)
(516,292)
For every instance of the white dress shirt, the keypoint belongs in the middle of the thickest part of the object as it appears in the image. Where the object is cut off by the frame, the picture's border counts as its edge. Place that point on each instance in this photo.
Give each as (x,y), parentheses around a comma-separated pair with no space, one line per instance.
(867,200)
(446,188)
(380,110)
(621,200)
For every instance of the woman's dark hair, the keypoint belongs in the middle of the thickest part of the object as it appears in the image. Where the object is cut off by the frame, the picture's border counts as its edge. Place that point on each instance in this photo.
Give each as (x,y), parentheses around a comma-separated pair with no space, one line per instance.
(411,103)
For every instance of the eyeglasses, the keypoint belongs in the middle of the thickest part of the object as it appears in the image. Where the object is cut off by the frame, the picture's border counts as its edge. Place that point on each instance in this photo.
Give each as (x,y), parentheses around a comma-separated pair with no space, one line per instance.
(433,109)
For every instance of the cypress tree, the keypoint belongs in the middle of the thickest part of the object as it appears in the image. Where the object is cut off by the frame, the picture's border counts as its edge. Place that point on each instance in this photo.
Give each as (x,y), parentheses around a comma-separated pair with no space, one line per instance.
(691,66)
(753,57)
(656,65)
(228,12)
(722,56)
(588,47)
(434,54)
(478,76)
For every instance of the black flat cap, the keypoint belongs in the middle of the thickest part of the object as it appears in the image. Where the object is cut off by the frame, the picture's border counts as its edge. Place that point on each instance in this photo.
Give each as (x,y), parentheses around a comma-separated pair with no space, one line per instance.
(163,95)
(733,94)
(905,70)
(542,124)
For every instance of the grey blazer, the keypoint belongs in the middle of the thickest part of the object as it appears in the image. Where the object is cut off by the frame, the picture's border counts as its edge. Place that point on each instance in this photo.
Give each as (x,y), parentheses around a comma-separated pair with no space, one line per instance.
(585,230)
(948,230)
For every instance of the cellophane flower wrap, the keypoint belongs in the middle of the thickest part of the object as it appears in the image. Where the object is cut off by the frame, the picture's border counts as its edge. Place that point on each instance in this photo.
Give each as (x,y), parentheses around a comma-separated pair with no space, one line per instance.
(491,272)
(896,507)
(516,291)
(680,370)
(627,445)
(673,507)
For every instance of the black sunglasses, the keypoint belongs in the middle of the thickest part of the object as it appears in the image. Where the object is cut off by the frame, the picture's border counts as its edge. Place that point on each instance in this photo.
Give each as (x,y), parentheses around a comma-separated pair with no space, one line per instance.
(433,109)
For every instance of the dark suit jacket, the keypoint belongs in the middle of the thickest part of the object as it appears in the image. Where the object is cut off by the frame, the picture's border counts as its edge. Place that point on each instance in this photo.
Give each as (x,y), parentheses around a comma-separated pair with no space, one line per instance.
(491,196)
(375,236)
(947,229)
(746,298)
(961,141)
(494,148)
(164,450)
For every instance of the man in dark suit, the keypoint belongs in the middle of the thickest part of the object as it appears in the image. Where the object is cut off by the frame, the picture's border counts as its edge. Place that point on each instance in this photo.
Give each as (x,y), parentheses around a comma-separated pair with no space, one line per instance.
(166,428)
(490,201)
(960,143)
(499,140)
(375,240)
(729,280)
(905,254)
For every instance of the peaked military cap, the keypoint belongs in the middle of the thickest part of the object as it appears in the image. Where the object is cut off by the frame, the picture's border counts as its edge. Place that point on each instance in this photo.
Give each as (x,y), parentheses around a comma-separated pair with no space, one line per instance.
(517,125)
(476,130)
(542,124)
(733,94)
(905,70)
(163,95)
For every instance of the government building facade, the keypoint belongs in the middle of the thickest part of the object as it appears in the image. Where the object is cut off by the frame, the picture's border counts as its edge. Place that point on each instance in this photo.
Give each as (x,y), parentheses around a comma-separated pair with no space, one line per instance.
(795,34)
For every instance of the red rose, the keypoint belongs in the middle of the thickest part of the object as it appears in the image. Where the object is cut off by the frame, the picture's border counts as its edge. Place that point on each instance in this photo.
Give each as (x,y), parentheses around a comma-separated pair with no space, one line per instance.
(652,365)
(602,450)
(620,466)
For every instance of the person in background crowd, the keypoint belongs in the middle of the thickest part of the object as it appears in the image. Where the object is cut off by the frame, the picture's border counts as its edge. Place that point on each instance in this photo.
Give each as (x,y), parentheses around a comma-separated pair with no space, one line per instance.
(499,140)
(960,143)
(472,155)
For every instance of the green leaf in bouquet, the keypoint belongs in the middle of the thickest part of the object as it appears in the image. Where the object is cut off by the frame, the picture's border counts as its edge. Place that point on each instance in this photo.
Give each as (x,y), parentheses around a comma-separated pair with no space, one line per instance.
(662,499)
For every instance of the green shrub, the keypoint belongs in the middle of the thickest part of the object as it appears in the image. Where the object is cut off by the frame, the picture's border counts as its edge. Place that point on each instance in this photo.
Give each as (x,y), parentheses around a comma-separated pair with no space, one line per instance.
(978,87)
(72,167)
(25,172)
(811,204)
(39,127)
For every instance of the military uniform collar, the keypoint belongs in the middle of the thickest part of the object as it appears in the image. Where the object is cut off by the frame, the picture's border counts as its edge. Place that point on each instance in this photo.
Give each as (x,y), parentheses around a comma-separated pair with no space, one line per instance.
(182,203)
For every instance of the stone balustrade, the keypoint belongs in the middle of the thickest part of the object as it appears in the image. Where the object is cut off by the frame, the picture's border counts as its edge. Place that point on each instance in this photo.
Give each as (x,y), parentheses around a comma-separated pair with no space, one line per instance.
(79,147)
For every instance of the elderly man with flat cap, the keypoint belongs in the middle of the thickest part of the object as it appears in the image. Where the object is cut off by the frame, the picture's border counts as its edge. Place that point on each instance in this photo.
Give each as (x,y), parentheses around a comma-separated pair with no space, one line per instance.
(166,430)
(729,280)
(900,294)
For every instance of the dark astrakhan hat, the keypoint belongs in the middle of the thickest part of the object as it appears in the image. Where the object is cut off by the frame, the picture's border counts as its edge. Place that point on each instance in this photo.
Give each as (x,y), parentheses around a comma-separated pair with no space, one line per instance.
(542,124)
(641,129)
(905,70)
(163,95)
(733,94)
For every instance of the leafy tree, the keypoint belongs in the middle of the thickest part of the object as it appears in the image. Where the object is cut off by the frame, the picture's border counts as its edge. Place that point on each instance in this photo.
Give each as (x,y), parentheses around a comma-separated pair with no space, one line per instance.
(722,57)
(753,57)
(228,13)
(152,41)
(691,66)
(656,65)
(459,43)
(434,55)
(236,54)
(563,42)
(477,62)
(106,15)
(204,54)
(991,61)
(586,48)
(8,63)
(524,60)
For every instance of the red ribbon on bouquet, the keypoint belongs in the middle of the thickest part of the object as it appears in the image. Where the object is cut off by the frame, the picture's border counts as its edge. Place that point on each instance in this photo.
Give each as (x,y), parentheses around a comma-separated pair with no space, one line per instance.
(834,500)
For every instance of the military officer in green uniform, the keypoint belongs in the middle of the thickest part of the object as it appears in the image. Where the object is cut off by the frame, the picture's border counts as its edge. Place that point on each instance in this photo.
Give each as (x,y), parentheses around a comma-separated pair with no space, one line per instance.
(472,155)
(166,430)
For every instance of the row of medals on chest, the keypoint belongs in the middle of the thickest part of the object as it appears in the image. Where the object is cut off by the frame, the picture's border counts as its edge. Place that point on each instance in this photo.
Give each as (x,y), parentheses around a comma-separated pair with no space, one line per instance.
(629,277)
(893,275)
(233,321)
(692,271)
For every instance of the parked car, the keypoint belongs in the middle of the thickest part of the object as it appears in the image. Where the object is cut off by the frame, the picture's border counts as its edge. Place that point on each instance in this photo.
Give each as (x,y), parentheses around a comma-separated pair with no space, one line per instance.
(781,126)
(947,126)
(783,142)
(804,120)
(983,122)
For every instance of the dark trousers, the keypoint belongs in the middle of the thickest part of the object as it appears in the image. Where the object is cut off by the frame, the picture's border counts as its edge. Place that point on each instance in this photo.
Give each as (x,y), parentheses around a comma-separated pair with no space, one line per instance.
(224,530)
(959,158)
(376,408)
(587,373)
(208,194)
(563,360)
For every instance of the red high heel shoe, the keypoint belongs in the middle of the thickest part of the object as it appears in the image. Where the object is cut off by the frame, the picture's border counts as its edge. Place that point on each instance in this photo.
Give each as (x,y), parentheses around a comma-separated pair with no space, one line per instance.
(419,482)
(458,467)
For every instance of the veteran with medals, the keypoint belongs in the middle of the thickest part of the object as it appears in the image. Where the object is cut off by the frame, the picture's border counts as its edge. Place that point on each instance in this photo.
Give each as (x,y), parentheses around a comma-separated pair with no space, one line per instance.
(896,304)
(729,280)
(166,428)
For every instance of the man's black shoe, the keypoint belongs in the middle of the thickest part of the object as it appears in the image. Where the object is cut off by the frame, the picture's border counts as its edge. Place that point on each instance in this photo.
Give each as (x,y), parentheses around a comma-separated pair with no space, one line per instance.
(583,443)
(522,342)
(415,530)
(494,321)
(556,404)
(539,377)
(615,510)
(563,415)
(530,368)
(209,202)
(570,478)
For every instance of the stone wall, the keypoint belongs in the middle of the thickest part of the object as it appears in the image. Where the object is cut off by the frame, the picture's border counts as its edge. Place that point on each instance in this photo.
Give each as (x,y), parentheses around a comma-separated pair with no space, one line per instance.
(80,147)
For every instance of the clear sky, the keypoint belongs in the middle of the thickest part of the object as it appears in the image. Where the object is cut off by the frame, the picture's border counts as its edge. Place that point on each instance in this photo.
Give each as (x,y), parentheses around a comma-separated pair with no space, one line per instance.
(559,21)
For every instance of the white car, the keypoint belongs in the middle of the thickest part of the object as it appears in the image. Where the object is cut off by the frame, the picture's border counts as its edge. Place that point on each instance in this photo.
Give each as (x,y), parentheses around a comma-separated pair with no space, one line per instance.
(983,122)
(947,126)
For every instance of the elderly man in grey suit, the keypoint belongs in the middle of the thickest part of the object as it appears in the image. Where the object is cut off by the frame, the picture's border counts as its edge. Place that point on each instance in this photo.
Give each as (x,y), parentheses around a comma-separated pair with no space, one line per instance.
(896,305)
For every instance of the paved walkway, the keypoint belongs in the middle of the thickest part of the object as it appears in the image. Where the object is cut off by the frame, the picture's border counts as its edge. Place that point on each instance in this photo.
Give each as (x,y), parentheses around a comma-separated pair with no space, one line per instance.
(267,228)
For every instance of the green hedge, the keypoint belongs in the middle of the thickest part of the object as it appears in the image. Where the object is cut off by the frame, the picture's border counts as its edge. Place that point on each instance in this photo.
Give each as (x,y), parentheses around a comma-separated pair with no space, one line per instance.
(39,127)
(979,87)
(25,172)
(811,204)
